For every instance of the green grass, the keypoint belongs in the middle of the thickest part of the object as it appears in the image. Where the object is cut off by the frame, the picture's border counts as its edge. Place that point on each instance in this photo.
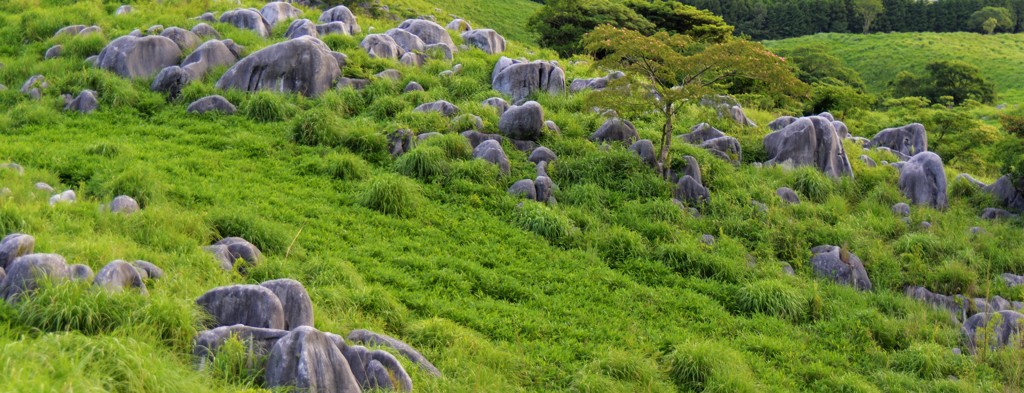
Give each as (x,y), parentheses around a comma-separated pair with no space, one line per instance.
(610,289)
(880,56)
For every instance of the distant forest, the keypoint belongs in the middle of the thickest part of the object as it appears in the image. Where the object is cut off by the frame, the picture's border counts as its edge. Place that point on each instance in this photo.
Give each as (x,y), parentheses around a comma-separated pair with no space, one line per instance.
(775,19)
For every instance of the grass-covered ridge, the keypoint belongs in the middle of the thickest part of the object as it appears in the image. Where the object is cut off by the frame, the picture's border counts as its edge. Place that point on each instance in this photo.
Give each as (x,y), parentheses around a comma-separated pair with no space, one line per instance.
(610,290)
(880,56)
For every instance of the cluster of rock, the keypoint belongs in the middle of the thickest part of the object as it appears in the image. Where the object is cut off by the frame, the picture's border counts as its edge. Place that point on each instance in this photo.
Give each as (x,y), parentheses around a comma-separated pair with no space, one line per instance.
(715,142)
(235,251)
(581,84)
(519,78)
(22,271)
(541,188)
(840,266)
(808,141)
(727,107)
(412,42)
(275,320)
(976,314)
(690,190)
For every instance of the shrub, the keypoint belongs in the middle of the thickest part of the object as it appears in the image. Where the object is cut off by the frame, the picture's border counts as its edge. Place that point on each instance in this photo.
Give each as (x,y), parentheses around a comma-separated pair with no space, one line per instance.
(454,146)
(813,184)
(544,221)
(425,163)
(315,127)
(953,278)
(391,194)
(84,46)
(359,136)
(265,106)
(705,366)
(341,166)
(772,297)
(387,107)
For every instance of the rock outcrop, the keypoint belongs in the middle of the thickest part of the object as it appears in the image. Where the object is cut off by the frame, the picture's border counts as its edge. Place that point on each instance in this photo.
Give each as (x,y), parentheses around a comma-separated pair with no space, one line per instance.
(304,65)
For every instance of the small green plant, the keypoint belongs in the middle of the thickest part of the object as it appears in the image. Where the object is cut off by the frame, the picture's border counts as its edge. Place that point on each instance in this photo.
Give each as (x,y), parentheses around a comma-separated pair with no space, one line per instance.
(236,362)
(772,297)
(344,166)
(315,127)
(392,195)
(618,244)
(425,163)
(266,107)
(544,221)
(706,366)
(455,146)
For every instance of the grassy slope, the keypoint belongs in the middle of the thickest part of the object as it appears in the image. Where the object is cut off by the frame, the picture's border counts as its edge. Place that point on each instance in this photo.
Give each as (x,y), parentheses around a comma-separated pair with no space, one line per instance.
(625,299)
(998,56)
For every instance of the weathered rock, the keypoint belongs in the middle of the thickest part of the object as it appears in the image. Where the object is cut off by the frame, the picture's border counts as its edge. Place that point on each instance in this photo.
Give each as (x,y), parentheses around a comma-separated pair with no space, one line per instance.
(491,151)
(458,25)
(303,65)
(601,83)
(14,167)
(381,46)
(524,146)
(278,11)
(486,39)
(645,149)
(551,126)
(1012,280)
(923,180)
(691,192)
(249,305)
(205,30)
(970,180)
(211,103)
(781,123)
(1006,333)
(390,73)
(79,272)
(332,28)
(498,103)
(186,40)
(901,209)
(85,102)
(69,30)
(212,53)
(443,107)
(991,213)
(247,18)
(298,308)
(118,276)
(788,195)
(700,133)
(344,15)
(44,187)
(524,188)
(431,33)
(53,52)
(523,122)
(367,337)
(726,147)
(151,271)
(155,30)
(476,138)
(827,116)
(68,196)
(1006,193)
(309,360)
(809,141)
(841,129)
(301,27)
(616,130)
(427,135)
(34,86)
(207,17)
(352,83)
(412,86)
(138,57)
(519,79)
(360,360)
(124,204)
(13,246)
(909,139)
(170,81)
(259,341)
(841,266)
(25,273)
(440,51)
(409,42)
(475,121)
(400,142)
(542,154)
(868,161)
(230,249)
(545,188)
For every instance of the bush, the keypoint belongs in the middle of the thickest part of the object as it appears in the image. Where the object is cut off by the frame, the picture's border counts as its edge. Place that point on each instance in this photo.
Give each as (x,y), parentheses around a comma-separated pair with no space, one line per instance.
(542,220)
(391,194)
(772,297)
(705,366)
(361,137)
(237,363)
(265,106)
(315,127)
(425,163)
(953,278)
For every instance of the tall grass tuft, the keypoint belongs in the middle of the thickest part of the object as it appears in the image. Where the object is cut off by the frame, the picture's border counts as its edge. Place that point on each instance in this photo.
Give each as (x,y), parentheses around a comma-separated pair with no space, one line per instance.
(706,366)
(392,195)
(455,146)
(265,107)
(424,163)
(772,297)
(240,222)
(546,222)
(315,127)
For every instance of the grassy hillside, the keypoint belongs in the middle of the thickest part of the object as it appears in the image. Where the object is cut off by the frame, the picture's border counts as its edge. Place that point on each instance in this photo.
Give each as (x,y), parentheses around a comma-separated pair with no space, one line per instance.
(610,290)
(879,57)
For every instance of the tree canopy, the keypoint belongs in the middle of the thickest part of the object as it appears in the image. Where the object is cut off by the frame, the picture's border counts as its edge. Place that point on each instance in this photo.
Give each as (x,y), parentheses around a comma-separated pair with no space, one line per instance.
(955,79)
(990,19)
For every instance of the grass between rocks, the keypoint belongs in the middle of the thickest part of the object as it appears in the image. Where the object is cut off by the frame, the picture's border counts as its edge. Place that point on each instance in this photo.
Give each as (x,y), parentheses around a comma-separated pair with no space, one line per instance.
(611,290)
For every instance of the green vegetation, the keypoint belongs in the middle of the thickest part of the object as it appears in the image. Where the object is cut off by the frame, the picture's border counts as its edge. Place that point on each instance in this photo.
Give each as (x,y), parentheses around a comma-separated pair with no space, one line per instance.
(610,289)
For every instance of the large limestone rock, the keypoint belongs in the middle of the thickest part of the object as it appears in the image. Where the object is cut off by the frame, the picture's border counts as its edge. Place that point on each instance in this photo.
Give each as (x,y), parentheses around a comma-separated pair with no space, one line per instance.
(185,39)
(923,180)
(1006,333)
(616,130)
(691,192)
(278,11)
(524,188)
(841,266)
(542,154)
(382,46)
(458,25)
(210,104)
(370,338)
(486,39)
(700,133)
(579,85)
(309,360)
(497,103)
(305,65)
(138,57)
(781,123)
(210,54)
(249,305)
(170,81)
(645,149)
(301,27)
(298,308)
(788,195)
(124,204)
(204,30)
(26,273)
(119,275)
(909,139)
(344,15)
(258,341)
(409,42)
(809,141)
(13,246)
(148,270)
(1006,193)
(523,122)
(370,367)
(475,138)
(443,107)
(726,148)
(247,18)
(79,272)
(431,33)
(490,150)
(519,79)
(85,102)
(231,249)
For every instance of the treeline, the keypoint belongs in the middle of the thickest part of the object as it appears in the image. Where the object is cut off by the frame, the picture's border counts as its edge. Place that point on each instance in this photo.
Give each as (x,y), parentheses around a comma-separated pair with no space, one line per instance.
(775,19)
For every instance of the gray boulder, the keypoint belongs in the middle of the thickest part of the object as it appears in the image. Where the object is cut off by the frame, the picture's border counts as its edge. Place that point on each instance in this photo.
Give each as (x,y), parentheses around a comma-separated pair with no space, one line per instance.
(841,129)
(400,142)
(303,65)
(68,196)
(231,249)
(211,103)
(970,180)
(69,30)
(390,73)
(868,161)
(827,116)
(842,267)
(458,25)
(186,40)
(309,360)
(545,188)
(412,86)
(53,52)
(441,51)
(258,341)
(344,15)
(788,195)
(443,107)
(923,180)
(249,305)
(524,188)
(991,213)
(34,86)
(691,192)
(427,135)
(205,31)
(85,102)
(1006,333)
(616,130)
(352,83)
(369,338)
(431,33)
(210,54)
(475,138)
(1012,280)
(523,122)
(809,141)
(332,28)
(1006,193)
(381,46)
(278,11)
(118,276)
(44,187)
(645,149)
(551,126)
(79,272)
(247,18)
(909,139)
(498,103)
(692,169)
(475,121)
(700,133)
(486,39)
(956,305)
(409,42)
(542,154)
(124,204)
(298,308)
(725,147)
(170,81)
(490,150)
(13,246)
(901,209)
(138,57)
(26,273)
(364,364)
(601,83)
(148,270)
(301,27)
(519,79)
(154,30)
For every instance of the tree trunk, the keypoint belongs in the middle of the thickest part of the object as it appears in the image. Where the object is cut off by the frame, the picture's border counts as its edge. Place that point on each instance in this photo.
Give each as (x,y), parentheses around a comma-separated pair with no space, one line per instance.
(665,159)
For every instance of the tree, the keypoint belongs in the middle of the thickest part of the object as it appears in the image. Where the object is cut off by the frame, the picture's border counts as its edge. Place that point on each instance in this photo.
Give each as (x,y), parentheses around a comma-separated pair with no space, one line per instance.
(562,23)
(956,79)
(680,18)
(868,10)
(664,71)
(989,19)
